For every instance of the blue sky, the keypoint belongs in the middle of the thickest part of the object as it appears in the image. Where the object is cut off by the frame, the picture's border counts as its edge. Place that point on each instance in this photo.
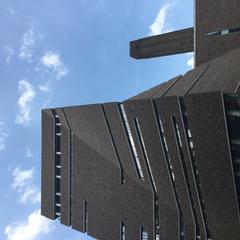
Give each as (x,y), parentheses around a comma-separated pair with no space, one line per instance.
(60,53)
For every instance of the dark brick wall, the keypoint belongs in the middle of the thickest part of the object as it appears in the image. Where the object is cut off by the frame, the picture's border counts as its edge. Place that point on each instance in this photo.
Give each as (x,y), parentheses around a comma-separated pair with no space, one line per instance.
(207,123)
(212,16)
(48,165)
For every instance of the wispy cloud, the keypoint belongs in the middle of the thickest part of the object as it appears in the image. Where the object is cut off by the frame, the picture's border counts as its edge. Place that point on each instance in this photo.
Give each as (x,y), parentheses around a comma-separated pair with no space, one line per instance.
(29,153)
(3,135)
(22,183)
(30,194)
(27,95)
(10,52)
(190,61)
(29,40)
(52,61)
(21,178)
(45,87)
(36,226)
(11,10)
(160,25)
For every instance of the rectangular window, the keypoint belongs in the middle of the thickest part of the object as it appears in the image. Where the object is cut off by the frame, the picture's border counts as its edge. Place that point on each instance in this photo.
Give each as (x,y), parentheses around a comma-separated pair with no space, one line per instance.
(122,231)
(85,220)
(144,234)
(223,32)
(132,144)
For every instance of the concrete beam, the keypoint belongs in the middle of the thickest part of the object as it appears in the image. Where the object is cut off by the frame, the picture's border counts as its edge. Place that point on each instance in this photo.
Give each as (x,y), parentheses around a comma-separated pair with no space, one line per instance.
(181,41)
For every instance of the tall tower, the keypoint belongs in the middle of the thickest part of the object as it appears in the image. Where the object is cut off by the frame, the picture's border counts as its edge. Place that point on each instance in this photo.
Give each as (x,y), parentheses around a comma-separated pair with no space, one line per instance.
(164,164)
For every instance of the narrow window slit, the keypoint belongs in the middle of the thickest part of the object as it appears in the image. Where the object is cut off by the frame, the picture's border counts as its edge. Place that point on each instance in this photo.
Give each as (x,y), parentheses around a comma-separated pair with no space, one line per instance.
(223,32)
(131,141)
(122,177)
(181,154)
(85,220)
(57,163)
(152,181)
(171,173)
(195,167)
(122,231)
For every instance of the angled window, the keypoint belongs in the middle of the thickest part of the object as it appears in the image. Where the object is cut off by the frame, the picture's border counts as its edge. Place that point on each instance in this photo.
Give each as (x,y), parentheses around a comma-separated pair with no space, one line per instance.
(132,144)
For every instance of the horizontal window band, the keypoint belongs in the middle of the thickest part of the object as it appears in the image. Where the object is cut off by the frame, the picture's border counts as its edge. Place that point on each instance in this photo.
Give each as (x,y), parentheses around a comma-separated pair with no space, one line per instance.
(223,32)
(233,113)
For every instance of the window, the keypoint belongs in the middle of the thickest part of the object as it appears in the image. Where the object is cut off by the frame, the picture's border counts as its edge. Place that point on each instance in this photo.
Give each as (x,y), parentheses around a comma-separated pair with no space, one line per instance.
(123,231)
(85,220)
(122,179)
(223,32)
(149,169)
(132,144)
(57,164)
(172,175)
(233,123)
(144,234)
(195,168)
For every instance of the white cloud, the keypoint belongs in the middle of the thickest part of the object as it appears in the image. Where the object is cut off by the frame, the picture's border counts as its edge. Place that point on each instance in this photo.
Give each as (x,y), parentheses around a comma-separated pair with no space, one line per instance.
(29,153)
(190,61)
(30,194)
(45,87)
(10,52)
(27,95)
(22,183)
(36,226)
(3,135)
(159,25)
(29,39)
(21,178)
(51,61)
